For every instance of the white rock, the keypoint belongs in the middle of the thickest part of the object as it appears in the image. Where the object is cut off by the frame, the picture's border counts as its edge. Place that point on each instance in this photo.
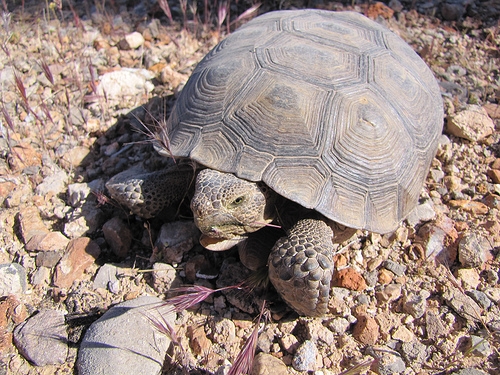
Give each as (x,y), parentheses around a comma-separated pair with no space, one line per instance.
(54,183)
(473,124)
(423,212)
(132,41)
(125,84)
(12,279)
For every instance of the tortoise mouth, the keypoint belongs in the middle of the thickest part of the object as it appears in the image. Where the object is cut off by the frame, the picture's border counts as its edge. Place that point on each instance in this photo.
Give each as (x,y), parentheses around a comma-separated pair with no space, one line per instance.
(218,244)
(225,229)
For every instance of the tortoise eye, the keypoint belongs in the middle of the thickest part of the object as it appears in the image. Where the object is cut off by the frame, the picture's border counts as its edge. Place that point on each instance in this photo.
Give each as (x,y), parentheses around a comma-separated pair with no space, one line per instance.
(238,201)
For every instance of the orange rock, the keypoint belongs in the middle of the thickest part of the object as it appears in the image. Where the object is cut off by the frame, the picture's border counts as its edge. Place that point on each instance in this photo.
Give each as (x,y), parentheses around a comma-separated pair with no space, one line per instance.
(385,276)
(350,279)
(496,164)
(47,242)
(30,223)
(198,340)
(366,330)
(24,155)
(80,254)
(492,201)
(340,260)
(494,174)
(493,110)
(460,226)
(6,188)
(473,207)
(379,9)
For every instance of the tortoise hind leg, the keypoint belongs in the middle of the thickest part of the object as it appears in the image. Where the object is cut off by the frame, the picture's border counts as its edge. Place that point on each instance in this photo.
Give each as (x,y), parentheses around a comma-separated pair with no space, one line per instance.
(301,267)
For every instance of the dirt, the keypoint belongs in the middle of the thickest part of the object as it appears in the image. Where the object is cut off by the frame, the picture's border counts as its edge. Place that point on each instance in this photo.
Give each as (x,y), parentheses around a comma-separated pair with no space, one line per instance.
(410,302)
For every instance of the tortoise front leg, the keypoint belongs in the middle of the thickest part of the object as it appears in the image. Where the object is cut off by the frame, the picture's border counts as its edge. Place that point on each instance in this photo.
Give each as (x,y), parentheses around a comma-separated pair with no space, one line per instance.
(147,194)
(301,267)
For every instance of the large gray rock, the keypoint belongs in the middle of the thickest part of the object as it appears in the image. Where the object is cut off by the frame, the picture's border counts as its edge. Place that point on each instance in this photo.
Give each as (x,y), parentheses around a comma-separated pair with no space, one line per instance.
(124,341)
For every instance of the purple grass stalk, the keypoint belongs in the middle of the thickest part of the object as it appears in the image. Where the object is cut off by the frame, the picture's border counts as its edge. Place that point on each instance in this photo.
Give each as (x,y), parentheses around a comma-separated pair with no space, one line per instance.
(76,18)
(21,88)
(206,14)
(183,4)
(166,9)
(8,119)
(93,79)
(163,326)
(244,360)
(228,17)
(267,224)
(194,10)
(359,368)
(46,111)
(221,16)
(247,13)
(192,295)
(47,72)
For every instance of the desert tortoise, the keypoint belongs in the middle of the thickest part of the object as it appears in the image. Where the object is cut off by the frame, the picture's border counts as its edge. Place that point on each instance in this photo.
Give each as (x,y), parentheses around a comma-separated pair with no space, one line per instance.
(329,110)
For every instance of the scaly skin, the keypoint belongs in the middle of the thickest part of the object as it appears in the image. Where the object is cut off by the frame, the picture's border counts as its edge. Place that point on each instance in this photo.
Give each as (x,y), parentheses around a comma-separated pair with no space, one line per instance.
(227,209)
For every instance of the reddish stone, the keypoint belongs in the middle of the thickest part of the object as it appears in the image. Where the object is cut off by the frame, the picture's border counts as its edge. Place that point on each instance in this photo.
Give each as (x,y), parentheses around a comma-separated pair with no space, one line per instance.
(494,174)
(51,241)
(198,340)
(366,330)
(379,9)
(6,188)
(350,279)
(492,201)
(79,255)
(118,236)
(30,223)
(23,155)
(473,207)
(385,276)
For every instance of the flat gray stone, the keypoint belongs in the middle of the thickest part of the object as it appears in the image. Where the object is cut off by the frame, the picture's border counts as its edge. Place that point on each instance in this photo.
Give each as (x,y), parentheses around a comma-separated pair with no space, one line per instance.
(124,341)
(42,339)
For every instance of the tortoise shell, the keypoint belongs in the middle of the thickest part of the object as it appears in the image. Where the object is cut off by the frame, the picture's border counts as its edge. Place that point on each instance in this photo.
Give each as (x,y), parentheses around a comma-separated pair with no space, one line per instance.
(329,109)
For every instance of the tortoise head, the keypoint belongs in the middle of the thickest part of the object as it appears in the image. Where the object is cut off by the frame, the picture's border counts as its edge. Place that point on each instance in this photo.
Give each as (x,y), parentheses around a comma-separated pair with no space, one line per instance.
(226,208)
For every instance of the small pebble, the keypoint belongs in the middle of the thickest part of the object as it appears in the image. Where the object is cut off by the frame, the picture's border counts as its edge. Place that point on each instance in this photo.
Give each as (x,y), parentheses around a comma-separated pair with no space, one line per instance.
(396,268)
(389,364)
(414,352)
(469,277)
(54,183)
(266,364)
(305,357)
(416,304)
(471,251)
(480,346)
(105,276)
(403,334)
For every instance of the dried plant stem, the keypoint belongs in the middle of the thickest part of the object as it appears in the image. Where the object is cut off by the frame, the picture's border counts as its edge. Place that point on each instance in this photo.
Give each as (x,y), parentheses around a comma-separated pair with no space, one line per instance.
(244,360)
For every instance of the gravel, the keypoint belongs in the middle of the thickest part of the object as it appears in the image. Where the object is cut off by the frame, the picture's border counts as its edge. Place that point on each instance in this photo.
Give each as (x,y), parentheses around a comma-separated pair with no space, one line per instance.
(419,297)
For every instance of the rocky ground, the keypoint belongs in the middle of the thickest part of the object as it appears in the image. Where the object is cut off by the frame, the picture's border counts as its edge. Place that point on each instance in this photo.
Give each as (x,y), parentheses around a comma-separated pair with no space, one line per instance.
(77,79)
